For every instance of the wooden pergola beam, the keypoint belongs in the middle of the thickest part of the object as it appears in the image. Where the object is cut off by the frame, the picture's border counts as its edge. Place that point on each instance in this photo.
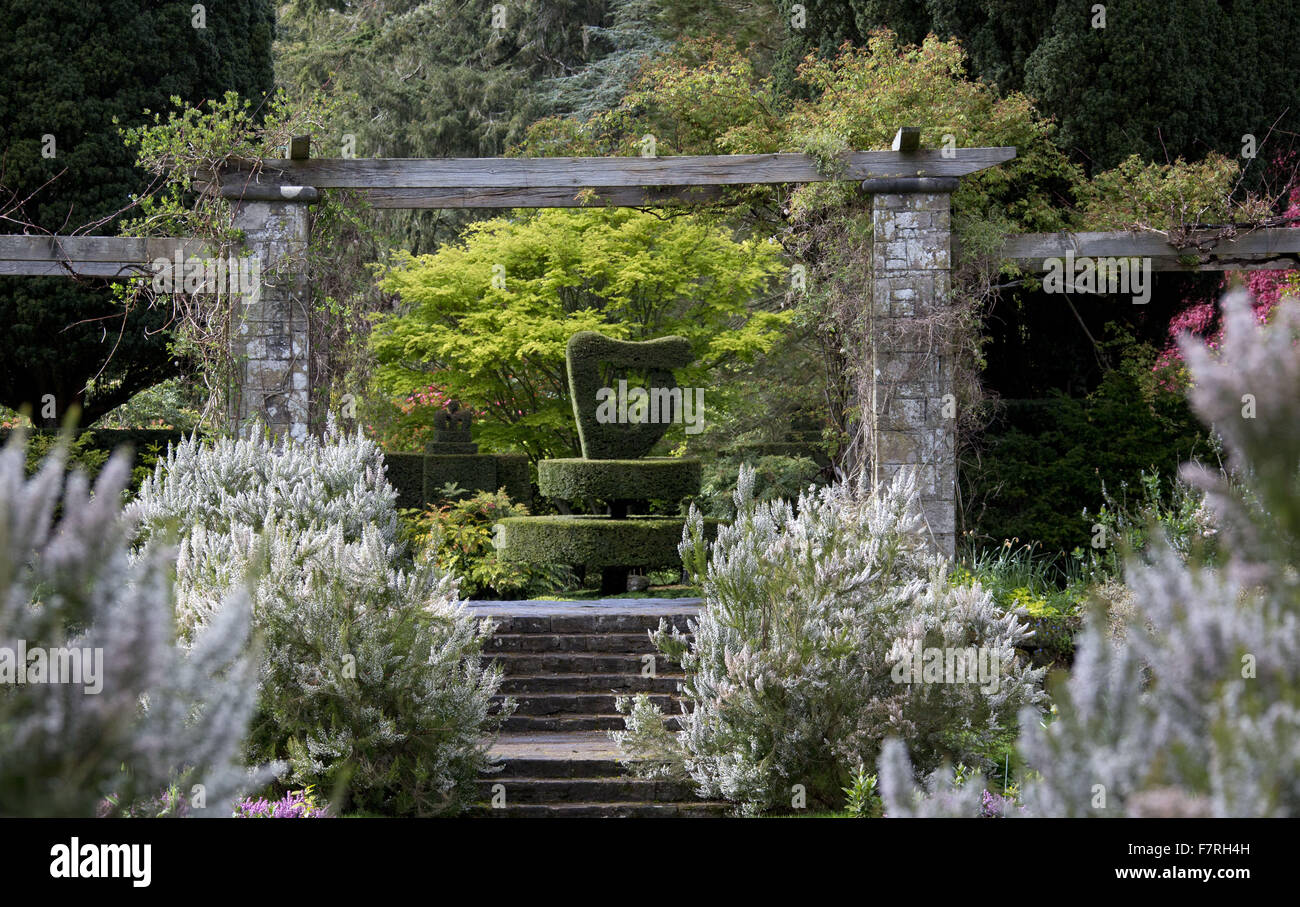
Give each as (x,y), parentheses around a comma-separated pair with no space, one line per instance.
(90,256)
(496,197)
(1274,248)
(576,173)
(122,256)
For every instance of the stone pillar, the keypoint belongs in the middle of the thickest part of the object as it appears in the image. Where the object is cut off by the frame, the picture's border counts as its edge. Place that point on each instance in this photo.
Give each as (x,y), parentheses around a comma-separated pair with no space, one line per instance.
(269,328)
(905,387)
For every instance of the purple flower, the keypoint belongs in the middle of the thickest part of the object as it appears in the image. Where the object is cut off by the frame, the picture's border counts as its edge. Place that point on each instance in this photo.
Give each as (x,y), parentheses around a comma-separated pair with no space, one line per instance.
(993,806)
(298,804)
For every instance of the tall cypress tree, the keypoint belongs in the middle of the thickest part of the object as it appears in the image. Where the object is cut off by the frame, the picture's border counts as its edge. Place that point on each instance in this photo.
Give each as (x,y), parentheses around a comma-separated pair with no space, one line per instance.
(68,69)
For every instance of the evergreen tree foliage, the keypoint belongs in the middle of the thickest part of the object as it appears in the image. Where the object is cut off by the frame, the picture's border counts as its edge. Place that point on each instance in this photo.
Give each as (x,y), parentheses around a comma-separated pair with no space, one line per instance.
(1168,78)
(69,69)
(1163,79)
(433,78)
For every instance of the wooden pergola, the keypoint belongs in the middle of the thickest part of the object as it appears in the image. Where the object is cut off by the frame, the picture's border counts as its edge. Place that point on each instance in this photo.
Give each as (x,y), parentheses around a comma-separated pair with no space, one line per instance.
(911,258)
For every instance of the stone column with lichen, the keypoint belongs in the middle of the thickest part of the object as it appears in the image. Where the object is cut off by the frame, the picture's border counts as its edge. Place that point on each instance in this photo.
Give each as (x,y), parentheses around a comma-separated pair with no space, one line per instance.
(269,327)
(906,388)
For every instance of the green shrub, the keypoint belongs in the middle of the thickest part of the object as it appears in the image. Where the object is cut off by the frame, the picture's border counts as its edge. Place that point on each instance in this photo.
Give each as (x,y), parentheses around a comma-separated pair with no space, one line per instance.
(81,452)
(89,451)
(1034,587)
(1046,462)
(1129,526)
(775,477)
(458,537)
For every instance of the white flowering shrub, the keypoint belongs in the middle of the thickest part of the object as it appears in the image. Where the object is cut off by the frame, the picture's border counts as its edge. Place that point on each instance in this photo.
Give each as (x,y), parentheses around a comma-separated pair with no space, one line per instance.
(1193,711)
(338,481)
(153,717)
(372,688)
(941,794)
(793,674)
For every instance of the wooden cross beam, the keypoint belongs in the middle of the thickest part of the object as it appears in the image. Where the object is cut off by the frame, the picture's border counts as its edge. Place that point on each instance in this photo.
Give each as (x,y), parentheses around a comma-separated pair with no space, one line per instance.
(123,256)
(578,181)
(90,256)
(1267,249)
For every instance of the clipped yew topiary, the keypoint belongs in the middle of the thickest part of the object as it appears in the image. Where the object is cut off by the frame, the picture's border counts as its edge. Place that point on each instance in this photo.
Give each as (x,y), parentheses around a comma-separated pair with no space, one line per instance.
(452,458)
(596,541)
(611,469)
(654,478)
(584,354)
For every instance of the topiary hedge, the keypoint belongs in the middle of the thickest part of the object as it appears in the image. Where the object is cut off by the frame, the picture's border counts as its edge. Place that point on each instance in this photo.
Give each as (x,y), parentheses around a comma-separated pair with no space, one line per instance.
(419,478)
(584,354)
(595,541)
(473,472)
(513,476)
(406,474)
(748,450)
(657,478)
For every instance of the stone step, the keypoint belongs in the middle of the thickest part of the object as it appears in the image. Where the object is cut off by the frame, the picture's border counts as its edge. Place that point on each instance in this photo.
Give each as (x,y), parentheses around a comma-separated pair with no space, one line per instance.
(522,724)
(555,768)
(564,664)
(584,790)
(532,684)
(577,703)
(606,643)
(537,663)
(587,624)
(689,809)
(590,754)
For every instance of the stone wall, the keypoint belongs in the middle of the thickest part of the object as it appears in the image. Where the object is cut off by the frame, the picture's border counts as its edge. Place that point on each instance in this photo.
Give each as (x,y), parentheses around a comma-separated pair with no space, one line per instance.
(908,378)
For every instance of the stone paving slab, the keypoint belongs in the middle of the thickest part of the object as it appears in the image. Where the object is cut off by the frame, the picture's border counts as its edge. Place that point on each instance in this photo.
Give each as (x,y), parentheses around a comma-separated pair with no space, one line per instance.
(641,607)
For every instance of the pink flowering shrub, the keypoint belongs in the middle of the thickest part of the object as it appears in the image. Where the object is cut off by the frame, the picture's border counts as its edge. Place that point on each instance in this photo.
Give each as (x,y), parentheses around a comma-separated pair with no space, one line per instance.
(1201,317)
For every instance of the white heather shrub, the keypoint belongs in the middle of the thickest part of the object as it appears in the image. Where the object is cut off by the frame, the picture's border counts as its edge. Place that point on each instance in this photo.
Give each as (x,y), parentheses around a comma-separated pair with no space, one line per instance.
(372,687)
(162,716)
(940,795)
(1193,712)
(338,481)
(790,677)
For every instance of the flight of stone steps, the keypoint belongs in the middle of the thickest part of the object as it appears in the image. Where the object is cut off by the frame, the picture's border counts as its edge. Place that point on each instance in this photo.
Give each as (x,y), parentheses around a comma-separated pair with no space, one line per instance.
(564,664)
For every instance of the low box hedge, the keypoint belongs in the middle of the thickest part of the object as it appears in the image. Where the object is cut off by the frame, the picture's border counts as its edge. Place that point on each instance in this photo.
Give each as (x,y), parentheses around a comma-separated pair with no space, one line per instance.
(750,450)
(594,541)
(478,472)
(513,476)
(406,474)
(653,478)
